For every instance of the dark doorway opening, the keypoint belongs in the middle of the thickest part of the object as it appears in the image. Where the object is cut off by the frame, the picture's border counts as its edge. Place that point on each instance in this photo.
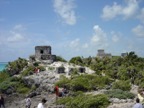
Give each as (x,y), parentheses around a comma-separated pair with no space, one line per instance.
(41,51)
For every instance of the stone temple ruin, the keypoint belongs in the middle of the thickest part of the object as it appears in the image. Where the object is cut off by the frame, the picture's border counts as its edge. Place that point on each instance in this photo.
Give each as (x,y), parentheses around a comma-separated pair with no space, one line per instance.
(124,54)
(43,53)
(101,53)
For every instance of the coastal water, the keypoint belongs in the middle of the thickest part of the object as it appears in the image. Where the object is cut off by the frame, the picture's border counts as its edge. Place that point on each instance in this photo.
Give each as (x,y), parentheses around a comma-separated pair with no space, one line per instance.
(2,65)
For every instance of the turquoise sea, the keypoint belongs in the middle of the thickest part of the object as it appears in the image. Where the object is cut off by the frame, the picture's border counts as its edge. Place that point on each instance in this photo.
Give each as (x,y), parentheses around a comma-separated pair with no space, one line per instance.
(2,65)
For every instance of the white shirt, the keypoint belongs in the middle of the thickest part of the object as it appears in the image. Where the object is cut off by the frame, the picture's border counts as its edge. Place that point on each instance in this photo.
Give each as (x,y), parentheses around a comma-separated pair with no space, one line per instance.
(40,105)
(138,105)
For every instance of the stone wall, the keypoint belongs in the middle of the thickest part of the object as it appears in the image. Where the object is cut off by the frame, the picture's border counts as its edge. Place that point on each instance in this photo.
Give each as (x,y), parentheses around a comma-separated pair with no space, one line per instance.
(48,57)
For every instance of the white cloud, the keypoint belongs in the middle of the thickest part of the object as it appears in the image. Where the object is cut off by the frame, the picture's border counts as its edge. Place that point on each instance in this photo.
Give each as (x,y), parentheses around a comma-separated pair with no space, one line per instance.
(86,45)
(138,31)
(97,41)
(115,37)
(64,8)
(74,43)
(18,27)
(127,11)
(17,37)
(99,37)
(110,12)
(131,8)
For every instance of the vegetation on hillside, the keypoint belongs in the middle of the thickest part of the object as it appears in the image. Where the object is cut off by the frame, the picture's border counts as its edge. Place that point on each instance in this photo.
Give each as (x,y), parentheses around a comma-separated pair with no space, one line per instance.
(84,82)
(59,58)
(16,66)
(126,68)
(85,101)
(11,78)
(116,75)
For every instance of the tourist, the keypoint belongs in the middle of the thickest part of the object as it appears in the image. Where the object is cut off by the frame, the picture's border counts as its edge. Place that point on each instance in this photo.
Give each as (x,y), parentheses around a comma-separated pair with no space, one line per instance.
(2,101)
(138,104)
(28,102)
(140,96)
(56,90)
(36,70)
(41,104)
(64,91)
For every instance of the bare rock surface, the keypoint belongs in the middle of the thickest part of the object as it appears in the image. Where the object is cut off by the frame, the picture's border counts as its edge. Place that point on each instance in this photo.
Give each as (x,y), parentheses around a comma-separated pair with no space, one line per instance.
(121,105)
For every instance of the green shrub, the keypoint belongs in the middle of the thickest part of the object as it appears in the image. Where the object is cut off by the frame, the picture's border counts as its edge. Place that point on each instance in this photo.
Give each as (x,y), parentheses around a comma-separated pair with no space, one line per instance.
(98,101)
(42,68)
(80,84)
(117,93)
(36,64)
(100,82)
(16,84)
(84,82)
(33,87)
(22,88)
(74,94)
(51,68)
(28,71)
(76,60)
(85,101)
(15,79)
(123,85)
(74,72)
(3,76)
(8,83)
(63,82)
(16,66)
(59,58)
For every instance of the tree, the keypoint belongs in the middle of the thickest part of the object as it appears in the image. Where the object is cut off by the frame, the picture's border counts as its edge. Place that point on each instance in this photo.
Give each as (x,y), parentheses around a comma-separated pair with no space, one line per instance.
(76,60)
(59,58)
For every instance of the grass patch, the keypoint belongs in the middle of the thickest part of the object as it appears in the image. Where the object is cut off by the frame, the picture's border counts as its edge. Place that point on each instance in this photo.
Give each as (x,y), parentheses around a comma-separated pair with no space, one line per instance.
(120,94)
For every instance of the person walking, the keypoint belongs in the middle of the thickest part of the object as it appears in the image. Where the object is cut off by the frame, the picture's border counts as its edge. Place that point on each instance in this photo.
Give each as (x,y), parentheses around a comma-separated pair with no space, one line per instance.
(2,103)
(138,104)
(64,91)
(37,70)
(41,104)
(28,102)
(56,90)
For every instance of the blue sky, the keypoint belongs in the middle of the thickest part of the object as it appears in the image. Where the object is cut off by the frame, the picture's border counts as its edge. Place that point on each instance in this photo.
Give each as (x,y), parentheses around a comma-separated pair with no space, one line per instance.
(71,27)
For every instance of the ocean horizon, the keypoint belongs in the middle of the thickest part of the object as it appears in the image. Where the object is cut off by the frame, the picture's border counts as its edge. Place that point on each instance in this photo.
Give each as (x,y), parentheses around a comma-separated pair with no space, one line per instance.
(3,65)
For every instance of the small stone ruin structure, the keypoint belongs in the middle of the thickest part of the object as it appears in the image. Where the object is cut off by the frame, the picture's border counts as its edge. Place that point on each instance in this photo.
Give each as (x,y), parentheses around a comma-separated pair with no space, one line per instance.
(102,54)
(124,54)
(43,53)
